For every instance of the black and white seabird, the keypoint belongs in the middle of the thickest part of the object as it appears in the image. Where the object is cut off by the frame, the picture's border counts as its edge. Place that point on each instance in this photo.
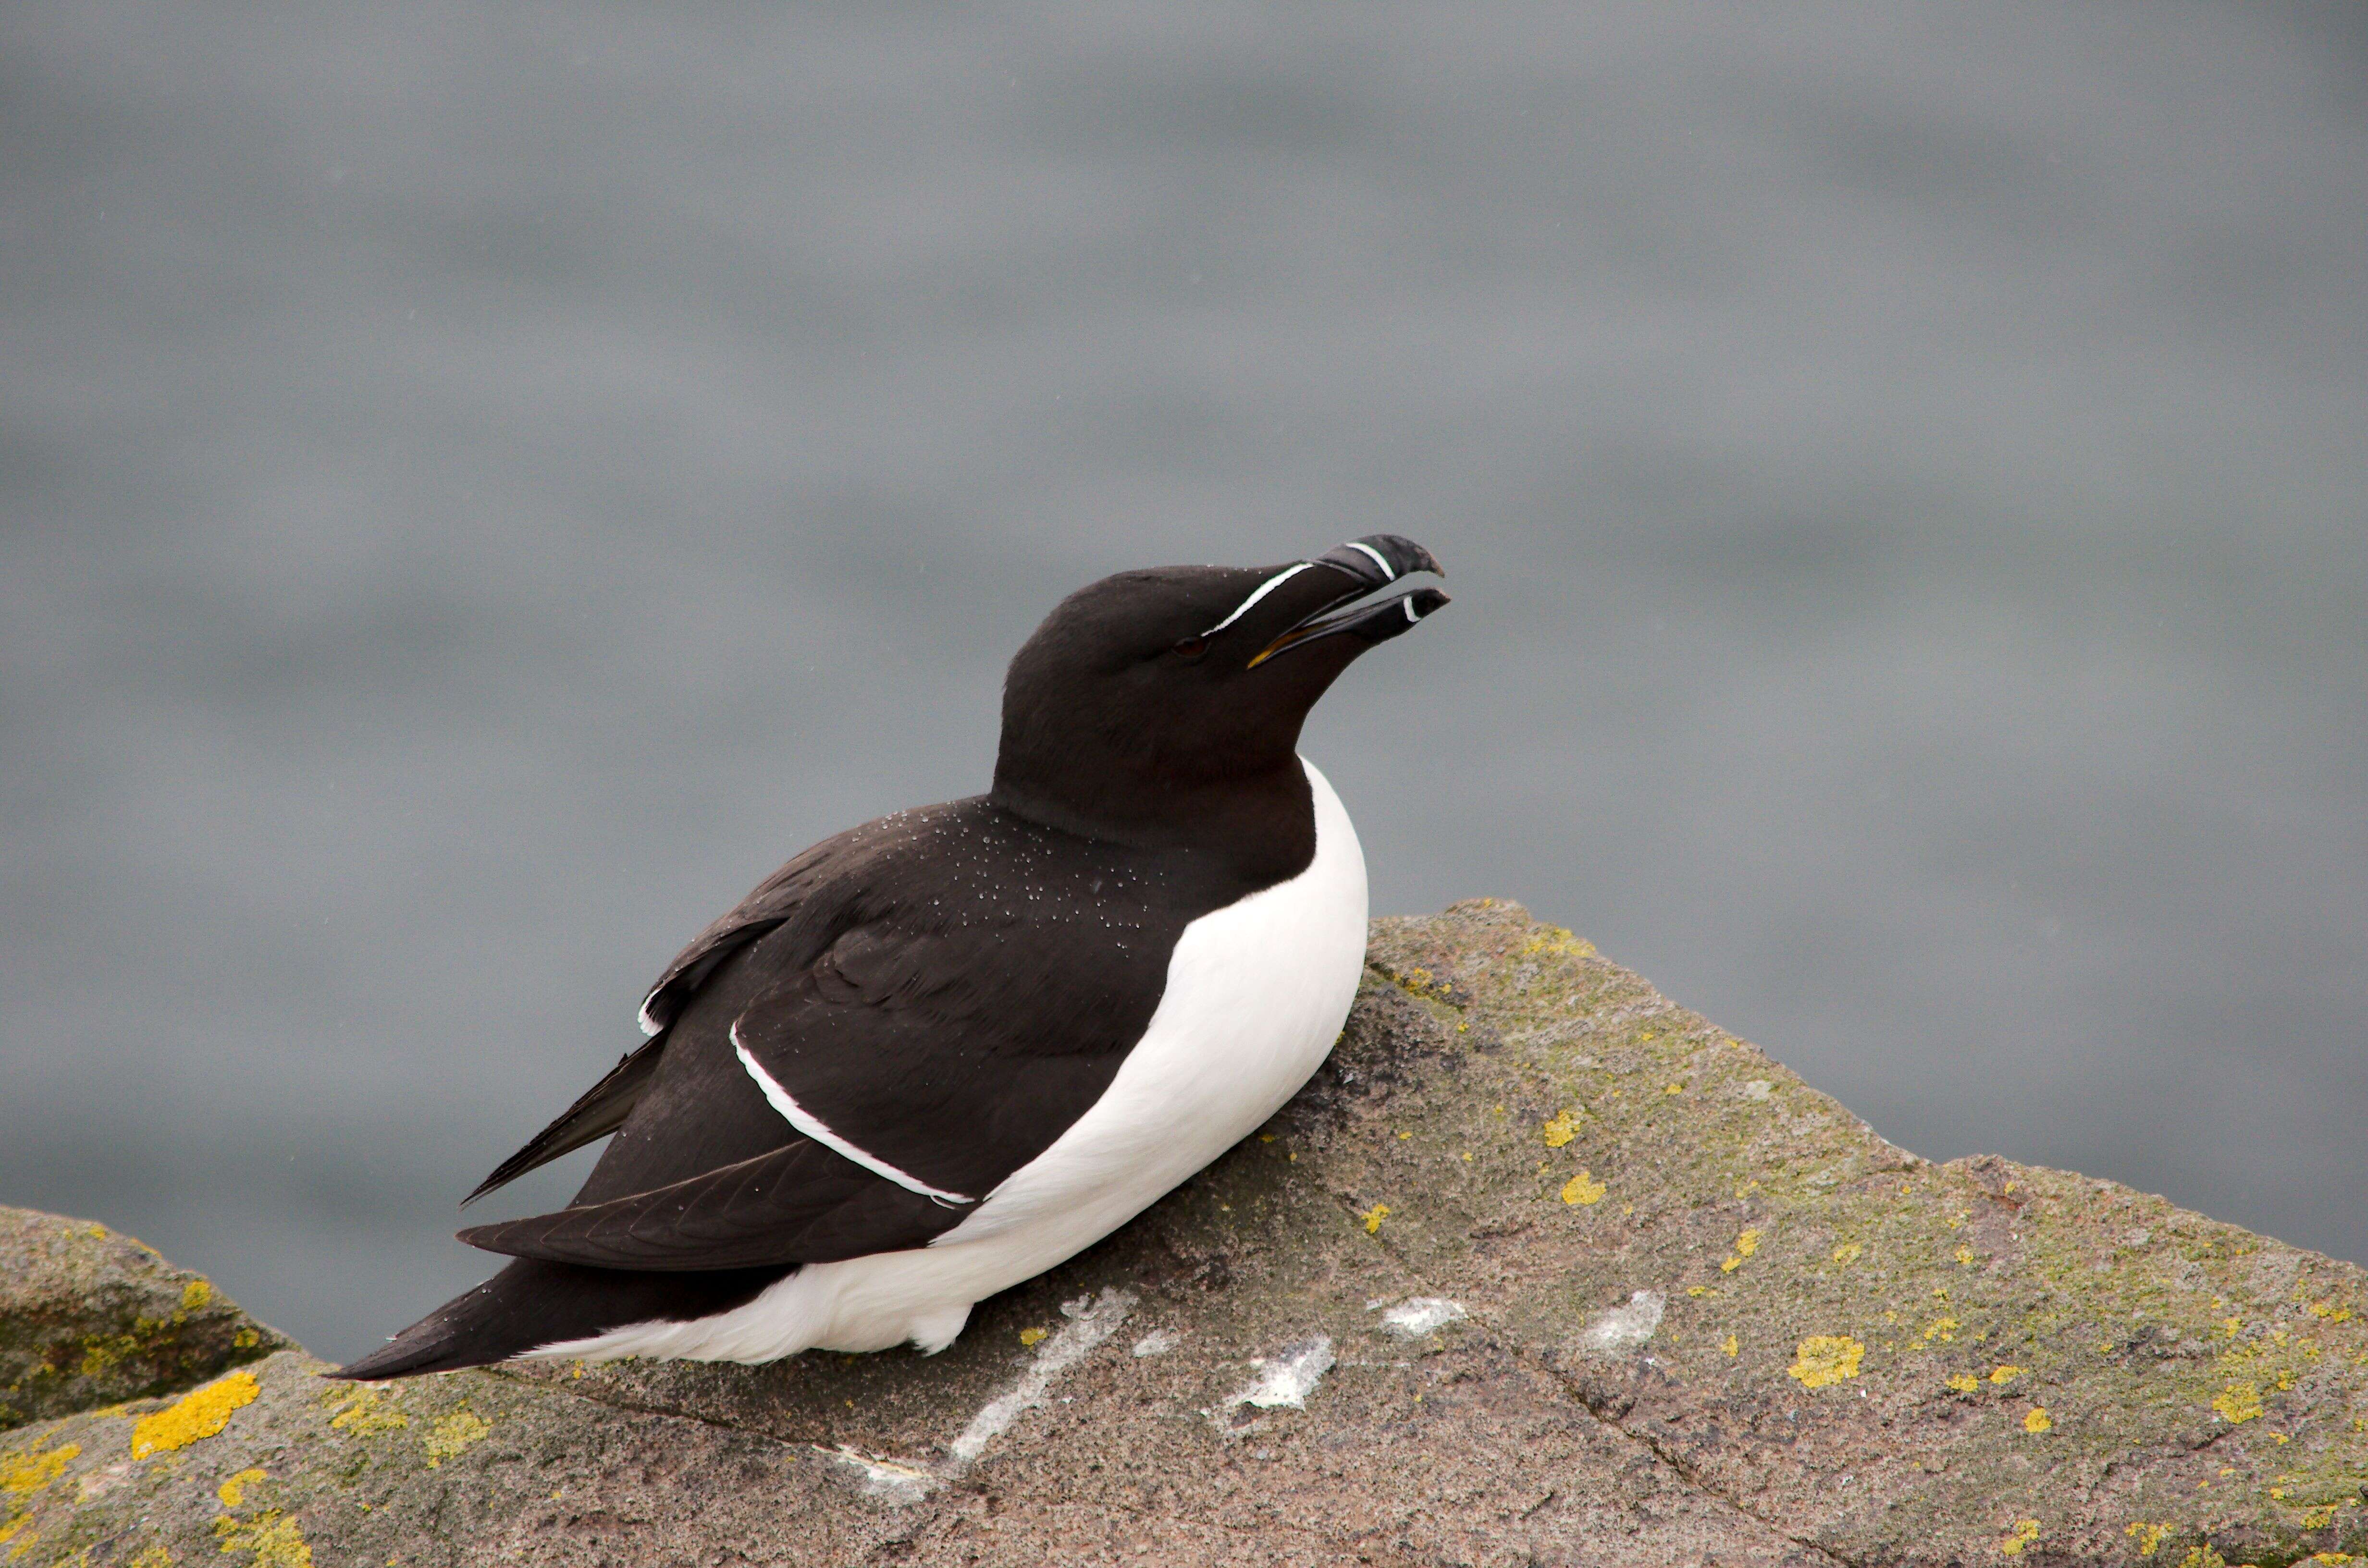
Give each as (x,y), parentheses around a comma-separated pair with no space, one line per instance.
(939,1053)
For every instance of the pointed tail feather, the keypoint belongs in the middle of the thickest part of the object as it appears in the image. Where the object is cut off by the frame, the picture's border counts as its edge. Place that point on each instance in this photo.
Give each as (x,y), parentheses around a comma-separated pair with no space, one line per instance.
(531,1304)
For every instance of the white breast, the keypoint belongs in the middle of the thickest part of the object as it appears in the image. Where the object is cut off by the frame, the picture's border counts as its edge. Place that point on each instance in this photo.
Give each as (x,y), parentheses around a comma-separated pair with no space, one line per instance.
(1256,992)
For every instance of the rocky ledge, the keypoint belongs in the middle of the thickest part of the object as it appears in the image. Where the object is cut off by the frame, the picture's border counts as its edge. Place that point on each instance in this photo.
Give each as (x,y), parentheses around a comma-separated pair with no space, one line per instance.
(1542,1268)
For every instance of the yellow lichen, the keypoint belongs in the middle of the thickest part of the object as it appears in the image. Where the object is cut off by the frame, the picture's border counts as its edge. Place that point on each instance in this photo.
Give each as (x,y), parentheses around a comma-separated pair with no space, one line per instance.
(1966,1256)
(246,1339)
(1560,1130)
(25,1474)
(364,1413)
(2005,1374)
(1826,1358)
(2331,1312)
(274,1540)
(232,1492)
(454,1436)
(1554,940)
(2149,1537)
(1675,1089)
(2025,1532)
(198,1413)
(101,1355)
(1422,982)
(1943,1329)
(195,1295)
(2038,1420)
(1964,1382)
(1849,1252)
(1373,1217)
(1031,1335)
(1583,1189)
(1733,1346)
(1729,1263)
(155,1555)
(2238,1402)
(1747,1242)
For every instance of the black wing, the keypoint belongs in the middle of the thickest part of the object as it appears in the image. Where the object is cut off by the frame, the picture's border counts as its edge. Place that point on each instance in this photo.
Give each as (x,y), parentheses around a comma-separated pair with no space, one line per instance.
(773,900)
(604,1108)
(949,992)
(597,1112)
(798,1204)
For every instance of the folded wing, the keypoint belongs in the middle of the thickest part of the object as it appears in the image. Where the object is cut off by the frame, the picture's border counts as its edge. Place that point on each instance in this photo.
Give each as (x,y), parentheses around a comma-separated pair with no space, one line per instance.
(798,1204)
(875,1045)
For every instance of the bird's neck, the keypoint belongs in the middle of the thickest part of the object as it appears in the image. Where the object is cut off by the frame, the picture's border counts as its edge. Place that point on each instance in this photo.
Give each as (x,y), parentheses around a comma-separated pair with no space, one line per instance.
(1263,823)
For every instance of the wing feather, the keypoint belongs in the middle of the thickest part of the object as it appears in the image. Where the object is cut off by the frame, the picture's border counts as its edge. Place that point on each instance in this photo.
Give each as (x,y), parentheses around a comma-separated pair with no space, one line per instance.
(943,992)
(597,1112)
(798,1204)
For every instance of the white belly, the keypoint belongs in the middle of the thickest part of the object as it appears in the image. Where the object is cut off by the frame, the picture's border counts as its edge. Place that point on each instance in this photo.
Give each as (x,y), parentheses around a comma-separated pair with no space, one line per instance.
(1256,992)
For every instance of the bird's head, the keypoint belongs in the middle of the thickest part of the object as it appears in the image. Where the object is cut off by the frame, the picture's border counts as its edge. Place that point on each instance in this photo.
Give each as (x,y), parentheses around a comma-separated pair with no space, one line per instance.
(1157,695)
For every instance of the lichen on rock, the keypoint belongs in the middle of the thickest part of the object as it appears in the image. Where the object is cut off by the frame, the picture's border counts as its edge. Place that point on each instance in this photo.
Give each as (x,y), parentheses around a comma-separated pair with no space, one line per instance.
(89,1316)
(1488,1290)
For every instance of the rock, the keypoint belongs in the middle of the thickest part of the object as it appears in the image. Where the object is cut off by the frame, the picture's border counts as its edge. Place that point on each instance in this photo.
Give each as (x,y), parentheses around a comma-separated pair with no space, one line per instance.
(1542,1268)
(88,1317)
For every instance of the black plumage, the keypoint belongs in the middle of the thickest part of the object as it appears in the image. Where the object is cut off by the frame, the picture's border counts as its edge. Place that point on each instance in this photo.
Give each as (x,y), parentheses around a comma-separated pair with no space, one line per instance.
(946,989)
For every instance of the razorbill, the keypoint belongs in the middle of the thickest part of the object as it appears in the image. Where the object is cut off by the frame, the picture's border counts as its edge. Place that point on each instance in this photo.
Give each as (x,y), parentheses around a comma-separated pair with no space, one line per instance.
(939,1053)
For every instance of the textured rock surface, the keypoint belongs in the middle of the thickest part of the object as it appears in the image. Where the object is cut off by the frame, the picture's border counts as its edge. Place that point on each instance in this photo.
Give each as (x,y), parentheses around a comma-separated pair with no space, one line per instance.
(88,1317)
(1540,1269)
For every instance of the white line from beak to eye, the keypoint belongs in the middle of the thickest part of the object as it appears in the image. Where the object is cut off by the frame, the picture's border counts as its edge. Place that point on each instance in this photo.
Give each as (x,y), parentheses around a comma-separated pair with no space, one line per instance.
(1408,602)
(1269,586)
(1389,572)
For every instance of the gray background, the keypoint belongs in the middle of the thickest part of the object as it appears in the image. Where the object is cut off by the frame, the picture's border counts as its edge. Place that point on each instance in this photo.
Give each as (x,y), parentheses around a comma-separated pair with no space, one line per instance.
(483,485)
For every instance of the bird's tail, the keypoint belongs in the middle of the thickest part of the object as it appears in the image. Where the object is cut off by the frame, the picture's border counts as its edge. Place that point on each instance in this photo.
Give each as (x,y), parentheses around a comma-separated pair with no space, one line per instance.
(531,1304)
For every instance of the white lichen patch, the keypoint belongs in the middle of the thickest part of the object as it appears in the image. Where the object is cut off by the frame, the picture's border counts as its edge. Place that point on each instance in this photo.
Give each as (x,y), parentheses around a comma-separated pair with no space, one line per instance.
(1087,1328)
(1758,1089)
(1618,1329)
(897,1482)
(903,1481)
(1158,1342)
(1285,1379)
(1418,1316)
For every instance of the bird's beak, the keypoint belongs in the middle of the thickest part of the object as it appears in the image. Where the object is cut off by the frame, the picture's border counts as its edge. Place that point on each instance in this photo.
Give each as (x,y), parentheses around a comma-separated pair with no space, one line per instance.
(1374,561)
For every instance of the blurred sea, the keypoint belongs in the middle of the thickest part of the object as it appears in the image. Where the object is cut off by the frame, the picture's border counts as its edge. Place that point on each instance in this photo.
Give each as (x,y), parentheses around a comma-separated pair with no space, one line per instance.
(480,486)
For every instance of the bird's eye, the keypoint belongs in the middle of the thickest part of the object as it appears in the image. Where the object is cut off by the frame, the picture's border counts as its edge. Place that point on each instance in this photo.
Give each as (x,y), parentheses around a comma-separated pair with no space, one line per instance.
(1191,648)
